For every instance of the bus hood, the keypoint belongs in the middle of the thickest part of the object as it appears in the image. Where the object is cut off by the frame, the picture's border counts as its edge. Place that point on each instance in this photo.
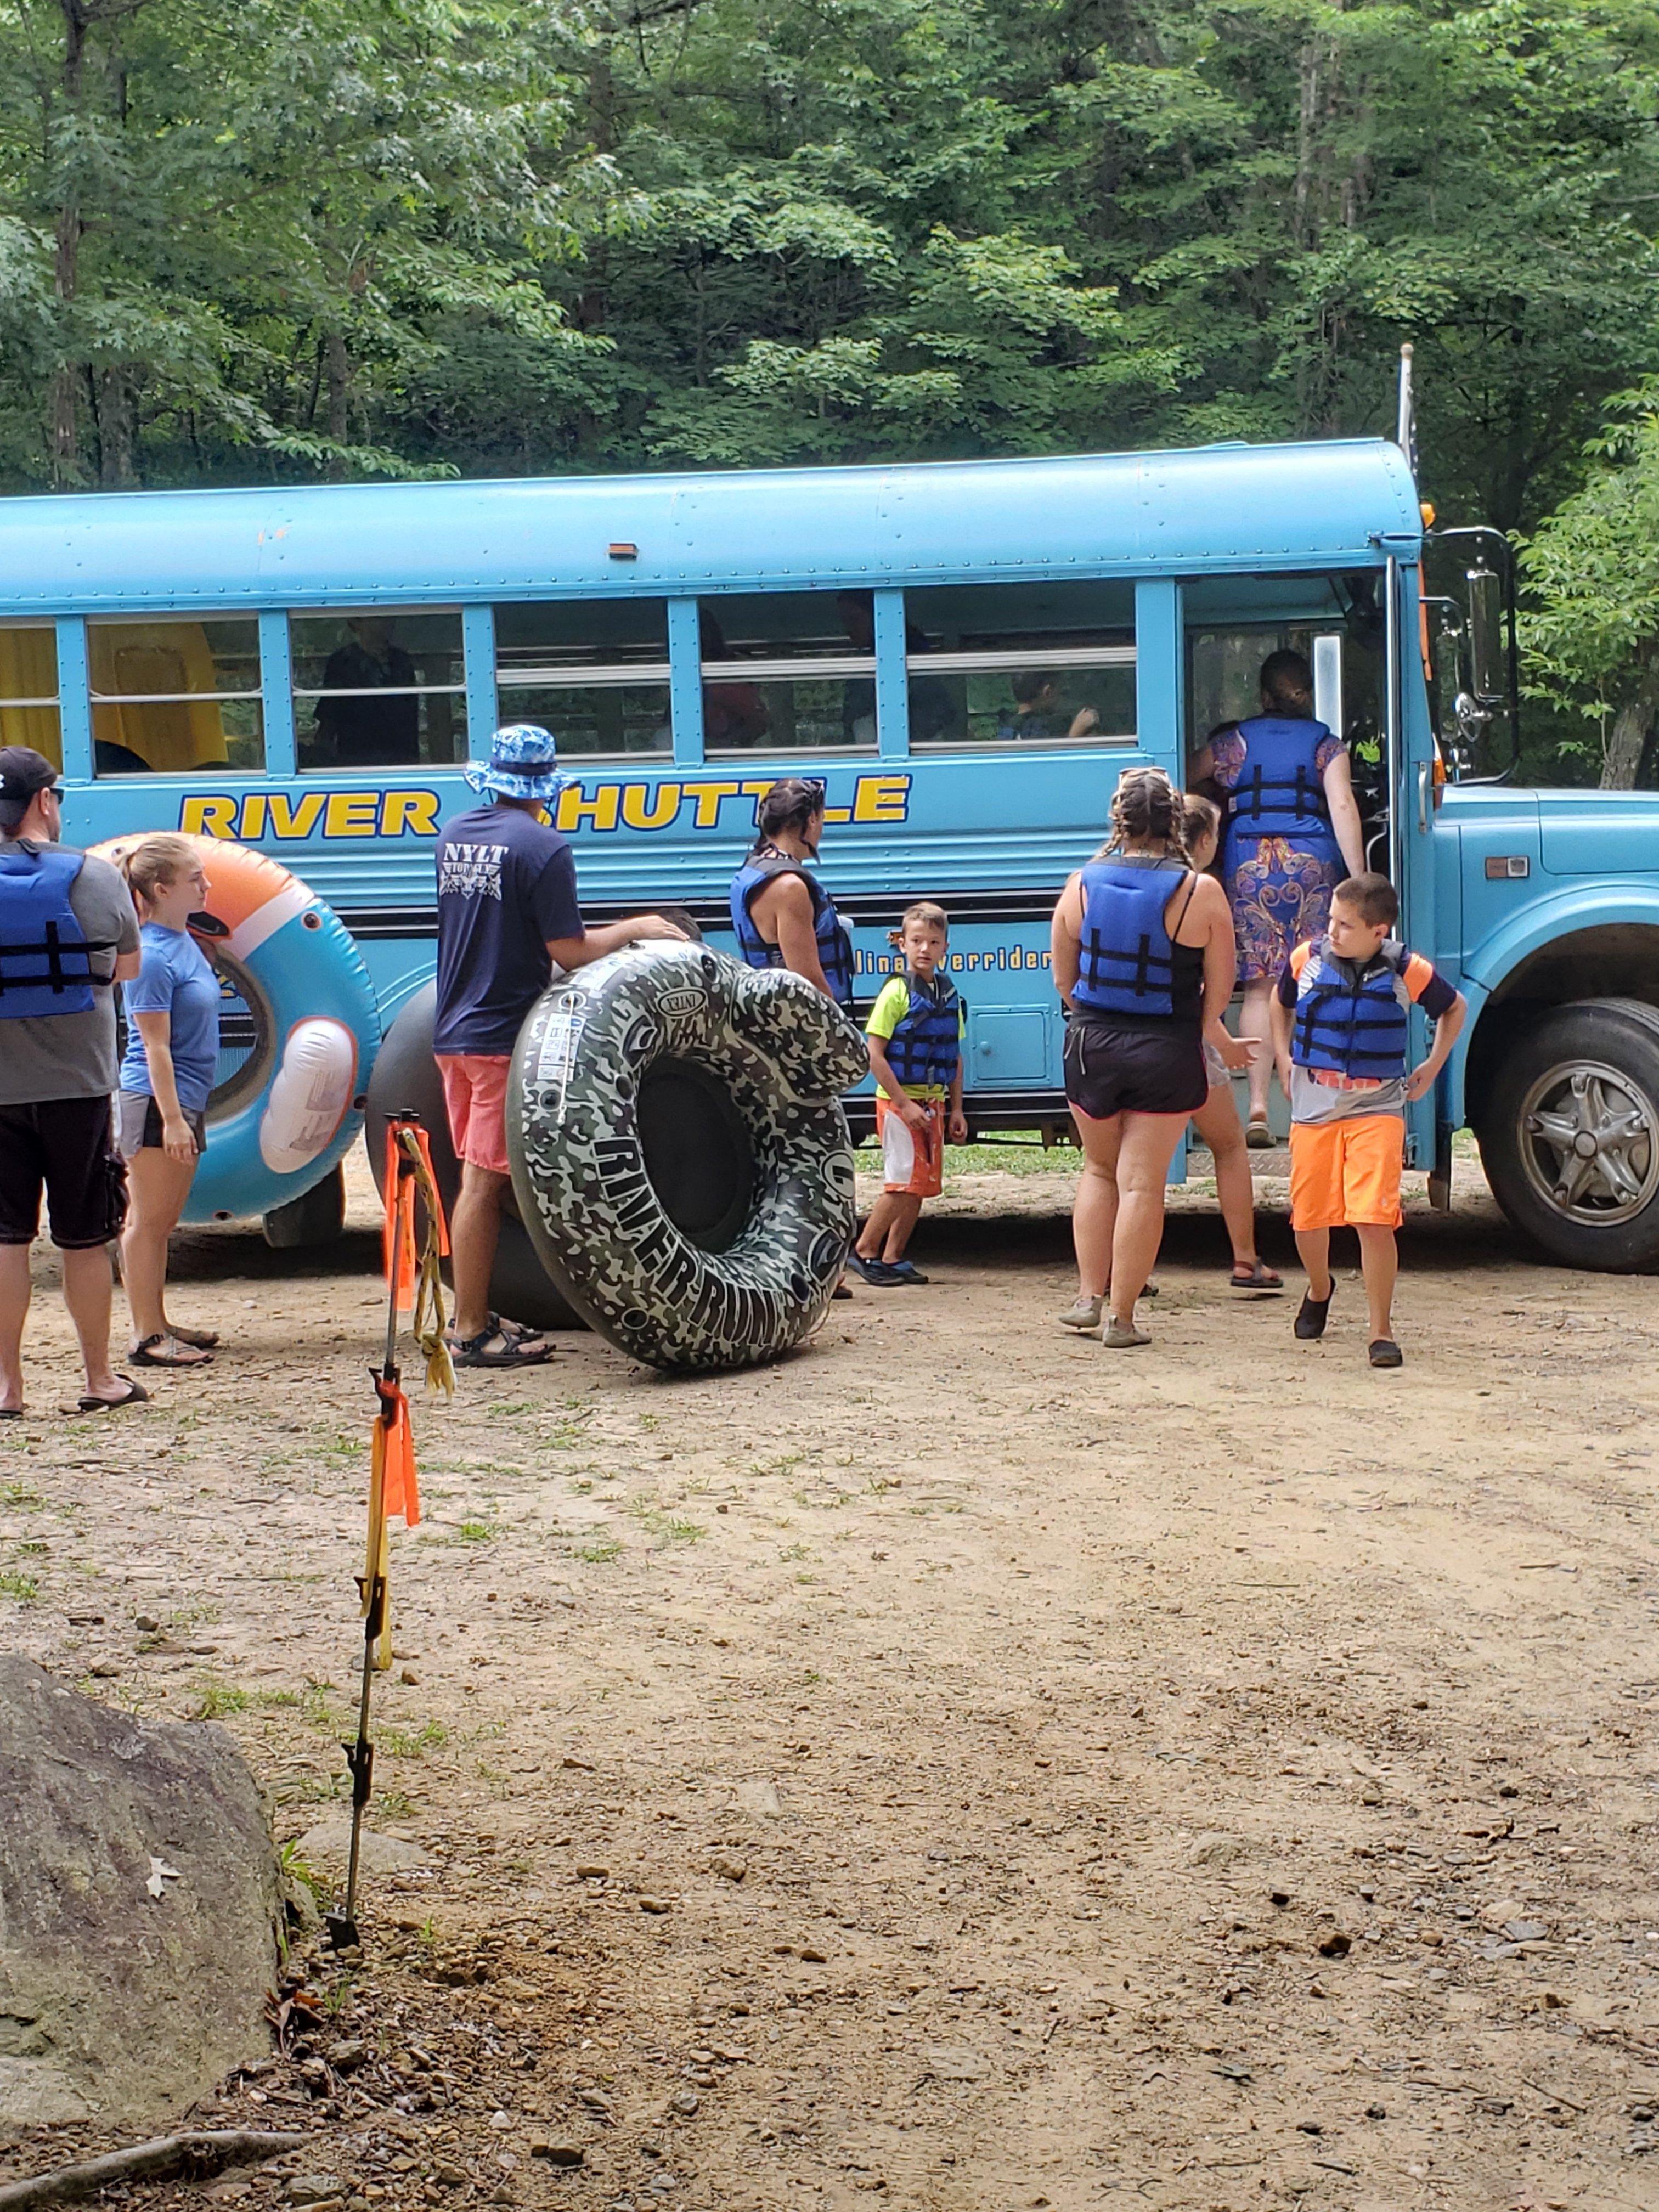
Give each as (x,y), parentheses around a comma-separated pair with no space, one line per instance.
(1598,833)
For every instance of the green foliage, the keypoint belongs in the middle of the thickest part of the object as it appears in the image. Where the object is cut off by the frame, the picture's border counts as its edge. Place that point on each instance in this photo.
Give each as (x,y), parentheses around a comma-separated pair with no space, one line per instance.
(351,238)
(1592,574)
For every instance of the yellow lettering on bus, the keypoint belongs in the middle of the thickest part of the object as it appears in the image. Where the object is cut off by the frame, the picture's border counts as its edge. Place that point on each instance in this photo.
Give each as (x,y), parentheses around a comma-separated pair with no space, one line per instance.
(351,813)
(208,817)
(881,798)
(410,813)
(287,820)
(708,797)
(636,813)
(576,807)
(252,823)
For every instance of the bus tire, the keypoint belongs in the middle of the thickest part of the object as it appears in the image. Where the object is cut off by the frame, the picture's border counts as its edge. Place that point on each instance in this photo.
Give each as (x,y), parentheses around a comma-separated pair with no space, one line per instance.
(1569,1135)
(406,1080)
(281,1120)
(680,1155)
(316,1217)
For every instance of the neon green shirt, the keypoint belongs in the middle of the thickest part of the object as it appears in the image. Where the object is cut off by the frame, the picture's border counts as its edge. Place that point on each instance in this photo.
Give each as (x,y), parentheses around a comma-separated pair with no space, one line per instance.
(892,1004)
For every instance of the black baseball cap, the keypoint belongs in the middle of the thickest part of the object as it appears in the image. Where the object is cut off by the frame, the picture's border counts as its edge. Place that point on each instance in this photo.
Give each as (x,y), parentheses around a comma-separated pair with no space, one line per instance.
(24,773)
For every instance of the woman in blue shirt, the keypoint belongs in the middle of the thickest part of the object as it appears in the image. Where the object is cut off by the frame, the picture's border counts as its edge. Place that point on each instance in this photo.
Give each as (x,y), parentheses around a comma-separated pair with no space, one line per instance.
(172,1053)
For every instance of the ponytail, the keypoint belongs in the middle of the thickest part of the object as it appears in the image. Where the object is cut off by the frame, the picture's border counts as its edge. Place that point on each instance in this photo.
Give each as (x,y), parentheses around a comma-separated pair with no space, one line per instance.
(153,863)
(1145,807)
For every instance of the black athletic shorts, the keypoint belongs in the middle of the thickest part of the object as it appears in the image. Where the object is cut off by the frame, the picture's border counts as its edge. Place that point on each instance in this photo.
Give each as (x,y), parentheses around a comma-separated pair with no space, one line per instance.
(62,1144)
(1114,1068)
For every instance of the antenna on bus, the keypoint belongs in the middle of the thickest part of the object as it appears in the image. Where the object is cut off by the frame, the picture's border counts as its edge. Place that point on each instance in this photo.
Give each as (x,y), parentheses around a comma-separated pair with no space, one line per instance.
(1405,435)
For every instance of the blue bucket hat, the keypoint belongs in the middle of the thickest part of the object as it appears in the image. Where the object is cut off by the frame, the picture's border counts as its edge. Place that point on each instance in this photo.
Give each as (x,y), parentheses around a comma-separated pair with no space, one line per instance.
(523,764)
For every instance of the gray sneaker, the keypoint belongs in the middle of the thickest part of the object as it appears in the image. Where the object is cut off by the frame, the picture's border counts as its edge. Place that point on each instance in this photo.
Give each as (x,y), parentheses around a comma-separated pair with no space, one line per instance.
(1116,1338)
(1082,1313)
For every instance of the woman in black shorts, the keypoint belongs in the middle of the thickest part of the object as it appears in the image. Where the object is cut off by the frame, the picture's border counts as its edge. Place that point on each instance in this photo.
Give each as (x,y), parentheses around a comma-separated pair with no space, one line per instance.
(1144,956)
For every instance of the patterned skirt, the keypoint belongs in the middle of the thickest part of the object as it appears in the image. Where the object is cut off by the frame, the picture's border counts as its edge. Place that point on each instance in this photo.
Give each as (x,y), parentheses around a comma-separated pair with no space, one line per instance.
(1281,898)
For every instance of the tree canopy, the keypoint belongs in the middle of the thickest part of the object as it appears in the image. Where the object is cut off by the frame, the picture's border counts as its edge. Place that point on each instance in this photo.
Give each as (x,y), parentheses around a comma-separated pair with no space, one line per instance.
(356,237)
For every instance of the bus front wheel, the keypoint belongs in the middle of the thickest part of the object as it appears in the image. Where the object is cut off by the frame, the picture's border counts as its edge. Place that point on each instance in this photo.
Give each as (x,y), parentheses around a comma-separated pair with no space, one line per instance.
(1570,1136)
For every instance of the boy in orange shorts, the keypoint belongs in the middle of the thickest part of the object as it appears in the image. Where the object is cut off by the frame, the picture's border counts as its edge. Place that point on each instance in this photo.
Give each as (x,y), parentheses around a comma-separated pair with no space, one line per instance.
(1341,1037)
(915,1038)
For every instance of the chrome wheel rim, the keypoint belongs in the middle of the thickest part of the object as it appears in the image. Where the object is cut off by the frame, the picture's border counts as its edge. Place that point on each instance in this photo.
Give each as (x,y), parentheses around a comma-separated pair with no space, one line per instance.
(1590,1143)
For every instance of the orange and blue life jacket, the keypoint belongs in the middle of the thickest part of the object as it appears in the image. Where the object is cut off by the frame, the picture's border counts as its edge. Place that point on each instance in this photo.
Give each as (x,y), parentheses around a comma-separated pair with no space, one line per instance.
(46,956)
(1351,1022)
(926,1046)
(1126,963)
(835,946)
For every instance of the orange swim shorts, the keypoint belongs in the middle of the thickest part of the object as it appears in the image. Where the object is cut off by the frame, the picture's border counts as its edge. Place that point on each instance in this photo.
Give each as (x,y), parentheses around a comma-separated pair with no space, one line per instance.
(475,1099)
(1346,1173)
(912,1160)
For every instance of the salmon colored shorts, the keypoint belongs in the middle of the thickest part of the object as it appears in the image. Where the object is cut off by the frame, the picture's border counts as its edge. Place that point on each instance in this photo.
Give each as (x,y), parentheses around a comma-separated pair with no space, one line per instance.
(1347,1173)
(912,1160)
(475,1099)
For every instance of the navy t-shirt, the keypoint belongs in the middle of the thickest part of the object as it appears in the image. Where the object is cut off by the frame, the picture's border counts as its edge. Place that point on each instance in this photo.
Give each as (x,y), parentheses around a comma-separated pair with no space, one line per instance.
(505,884)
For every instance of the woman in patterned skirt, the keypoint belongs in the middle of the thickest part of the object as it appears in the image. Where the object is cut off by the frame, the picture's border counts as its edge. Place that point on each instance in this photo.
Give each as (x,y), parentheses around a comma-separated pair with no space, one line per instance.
(1292,834)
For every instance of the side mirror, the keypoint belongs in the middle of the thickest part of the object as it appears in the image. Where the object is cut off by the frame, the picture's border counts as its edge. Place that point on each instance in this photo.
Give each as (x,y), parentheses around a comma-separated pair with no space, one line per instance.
(1486,638)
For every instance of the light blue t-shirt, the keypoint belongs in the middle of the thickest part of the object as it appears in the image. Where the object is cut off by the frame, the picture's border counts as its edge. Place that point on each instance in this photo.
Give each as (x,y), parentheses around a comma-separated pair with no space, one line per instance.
(177,978)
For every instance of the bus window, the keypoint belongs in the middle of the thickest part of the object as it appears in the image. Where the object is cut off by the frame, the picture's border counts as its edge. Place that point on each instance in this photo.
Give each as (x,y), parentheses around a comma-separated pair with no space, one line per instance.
(172,694)
(1022,664)
(29,690)
(378,687)
(594,671)
(788,672)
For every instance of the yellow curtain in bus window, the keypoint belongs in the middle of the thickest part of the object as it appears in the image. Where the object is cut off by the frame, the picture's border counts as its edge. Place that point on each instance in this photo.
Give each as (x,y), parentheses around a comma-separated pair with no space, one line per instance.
(28,670)
(157,661)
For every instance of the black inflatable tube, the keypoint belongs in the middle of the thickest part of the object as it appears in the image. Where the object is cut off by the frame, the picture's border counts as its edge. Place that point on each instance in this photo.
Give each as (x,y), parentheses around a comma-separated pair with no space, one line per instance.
(679,1152)
(405,1079)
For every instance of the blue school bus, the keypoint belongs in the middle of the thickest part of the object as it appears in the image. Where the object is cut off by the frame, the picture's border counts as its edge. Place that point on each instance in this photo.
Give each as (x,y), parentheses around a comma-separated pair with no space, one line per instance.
(968,653)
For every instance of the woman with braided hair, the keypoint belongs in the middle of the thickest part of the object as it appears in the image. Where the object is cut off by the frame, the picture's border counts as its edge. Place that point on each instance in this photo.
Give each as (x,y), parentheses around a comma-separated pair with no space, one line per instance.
(1143,956)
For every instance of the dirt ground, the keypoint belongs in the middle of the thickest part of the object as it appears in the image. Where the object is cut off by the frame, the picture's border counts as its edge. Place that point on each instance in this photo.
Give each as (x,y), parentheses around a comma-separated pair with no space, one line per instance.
(957,1766)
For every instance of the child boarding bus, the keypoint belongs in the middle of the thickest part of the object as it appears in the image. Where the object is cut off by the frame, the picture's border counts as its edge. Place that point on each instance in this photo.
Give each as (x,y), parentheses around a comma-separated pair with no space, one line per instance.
(968,654)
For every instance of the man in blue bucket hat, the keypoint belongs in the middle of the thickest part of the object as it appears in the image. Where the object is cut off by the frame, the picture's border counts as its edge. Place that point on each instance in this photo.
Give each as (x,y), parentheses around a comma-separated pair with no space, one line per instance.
(506,915)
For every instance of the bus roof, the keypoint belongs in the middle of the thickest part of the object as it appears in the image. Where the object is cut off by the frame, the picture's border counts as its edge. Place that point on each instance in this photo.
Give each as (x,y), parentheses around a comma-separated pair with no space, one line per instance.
(1341,503)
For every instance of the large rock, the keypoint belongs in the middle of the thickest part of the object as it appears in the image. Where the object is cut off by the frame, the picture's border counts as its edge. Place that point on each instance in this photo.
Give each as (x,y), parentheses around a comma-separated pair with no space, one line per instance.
(140,1899)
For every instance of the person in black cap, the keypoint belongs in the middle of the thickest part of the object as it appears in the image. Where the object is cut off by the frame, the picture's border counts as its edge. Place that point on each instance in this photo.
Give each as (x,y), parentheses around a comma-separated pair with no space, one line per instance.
(68,933)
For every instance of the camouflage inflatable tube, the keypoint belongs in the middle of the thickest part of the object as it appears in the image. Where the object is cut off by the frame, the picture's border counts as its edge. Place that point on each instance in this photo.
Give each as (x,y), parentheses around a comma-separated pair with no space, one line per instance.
(592,1129)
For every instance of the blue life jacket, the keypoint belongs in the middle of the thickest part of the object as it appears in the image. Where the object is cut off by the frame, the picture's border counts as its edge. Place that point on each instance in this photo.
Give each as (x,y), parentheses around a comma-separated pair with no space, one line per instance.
(46,956)
(1352,1025)
(1279,792)
(835,946)
(1125,959)
(927,1045)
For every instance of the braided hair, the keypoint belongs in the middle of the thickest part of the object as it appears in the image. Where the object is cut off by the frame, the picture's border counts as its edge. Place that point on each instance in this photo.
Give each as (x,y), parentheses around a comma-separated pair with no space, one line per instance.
(1145,807)
(788,806)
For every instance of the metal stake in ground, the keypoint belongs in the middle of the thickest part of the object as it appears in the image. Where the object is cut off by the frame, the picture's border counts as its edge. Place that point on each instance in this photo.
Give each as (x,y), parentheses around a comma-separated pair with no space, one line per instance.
(392,1486)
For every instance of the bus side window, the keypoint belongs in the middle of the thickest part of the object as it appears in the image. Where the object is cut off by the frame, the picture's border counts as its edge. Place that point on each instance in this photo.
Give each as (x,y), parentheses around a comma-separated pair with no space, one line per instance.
(171,695)
(29,690)
(594,671)
(1010,664)
(788,672)
(378,686)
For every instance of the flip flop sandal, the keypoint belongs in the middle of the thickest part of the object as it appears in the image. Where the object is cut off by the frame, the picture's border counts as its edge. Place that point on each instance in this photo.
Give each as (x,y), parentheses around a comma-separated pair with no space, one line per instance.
(144,1353)
(1257,1278)
(200,1339)
(471,1351)
(11,1412)
(135,1395)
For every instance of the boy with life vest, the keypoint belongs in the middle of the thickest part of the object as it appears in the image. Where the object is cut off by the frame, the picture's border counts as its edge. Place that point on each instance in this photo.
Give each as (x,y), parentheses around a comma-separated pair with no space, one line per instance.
(1341,1038)
(914,1034)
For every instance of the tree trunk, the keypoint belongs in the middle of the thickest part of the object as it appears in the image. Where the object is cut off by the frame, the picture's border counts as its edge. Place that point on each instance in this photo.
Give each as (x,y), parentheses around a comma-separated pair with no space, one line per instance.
(1622,762)
(114,410)
(63,404)
(338,367)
